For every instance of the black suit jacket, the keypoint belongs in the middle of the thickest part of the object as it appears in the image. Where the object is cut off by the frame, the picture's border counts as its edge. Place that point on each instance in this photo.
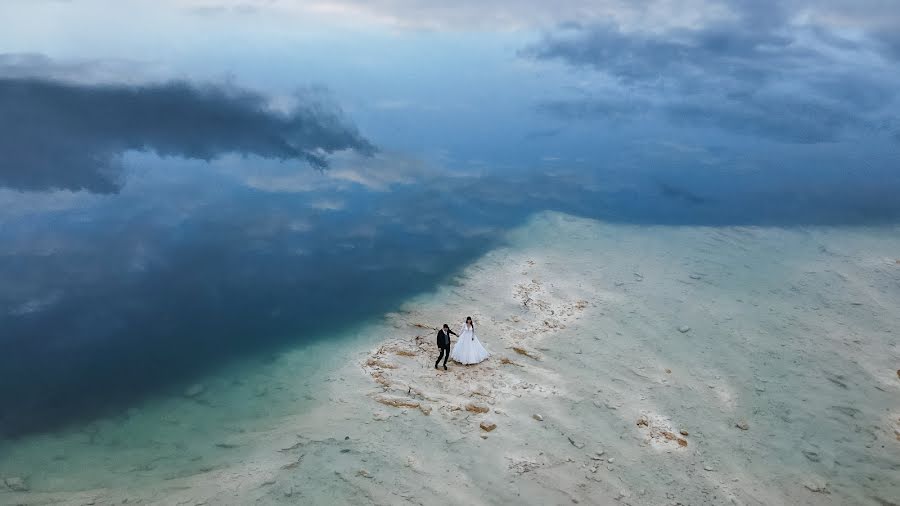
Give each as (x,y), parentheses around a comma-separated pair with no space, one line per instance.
(443,340)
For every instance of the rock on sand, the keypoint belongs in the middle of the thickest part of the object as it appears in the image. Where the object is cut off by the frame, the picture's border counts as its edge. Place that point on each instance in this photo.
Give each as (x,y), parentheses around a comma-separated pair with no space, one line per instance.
(477,408)
(815,484)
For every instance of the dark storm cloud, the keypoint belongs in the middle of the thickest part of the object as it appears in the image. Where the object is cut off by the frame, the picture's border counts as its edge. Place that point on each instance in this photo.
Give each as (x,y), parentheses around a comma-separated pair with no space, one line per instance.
(687,59)
(756,75)
(61,135)
(792,120)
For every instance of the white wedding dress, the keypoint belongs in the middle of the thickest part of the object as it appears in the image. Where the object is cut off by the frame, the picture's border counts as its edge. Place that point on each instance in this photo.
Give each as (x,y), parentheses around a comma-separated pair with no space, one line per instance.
(468,349)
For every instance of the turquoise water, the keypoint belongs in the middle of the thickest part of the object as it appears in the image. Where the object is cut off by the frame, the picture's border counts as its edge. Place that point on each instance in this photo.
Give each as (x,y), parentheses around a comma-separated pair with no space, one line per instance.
(172,434)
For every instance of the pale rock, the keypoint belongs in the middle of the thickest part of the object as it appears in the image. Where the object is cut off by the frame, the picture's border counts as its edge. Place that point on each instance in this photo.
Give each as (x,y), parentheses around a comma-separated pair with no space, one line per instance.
(815,484)
(537,417)
(743,425)
(398,402)
(487,425)
(683,329)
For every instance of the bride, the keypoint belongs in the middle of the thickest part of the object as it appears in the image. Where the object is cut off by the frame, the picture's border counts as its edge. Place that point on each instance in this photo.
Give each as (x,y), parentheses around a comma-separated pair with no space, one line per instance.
(468,349)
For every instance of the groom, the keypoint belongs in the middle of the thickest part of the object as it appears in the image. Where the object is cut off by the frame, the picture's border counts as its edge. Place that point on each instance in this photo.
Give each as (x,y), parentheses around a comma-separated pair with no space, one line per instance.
(443,342)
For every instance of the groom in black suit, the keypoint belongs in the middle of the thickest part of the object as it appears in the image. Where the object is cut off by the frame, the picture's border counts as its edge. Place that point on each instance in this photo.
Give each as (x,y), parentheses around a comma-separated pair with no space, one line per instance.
(443,342)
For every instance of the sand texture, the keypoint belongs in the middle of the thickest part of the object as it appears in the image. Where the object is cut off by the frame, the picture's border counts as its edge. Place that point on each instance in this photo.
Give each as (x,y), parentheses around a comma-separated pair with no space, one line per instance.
(630,365)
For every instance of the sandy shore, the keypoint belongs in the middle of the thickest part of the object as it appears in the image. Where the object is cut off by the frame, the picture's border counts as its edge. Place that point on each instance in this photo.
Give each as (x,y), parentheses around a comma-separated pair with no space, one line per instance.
(630,364)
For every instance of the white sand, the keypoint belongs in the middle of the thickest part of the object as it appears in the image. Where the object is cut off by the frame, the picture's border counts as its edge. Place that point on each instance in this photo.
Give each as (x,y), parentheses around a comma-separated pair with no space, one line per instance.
(793,335)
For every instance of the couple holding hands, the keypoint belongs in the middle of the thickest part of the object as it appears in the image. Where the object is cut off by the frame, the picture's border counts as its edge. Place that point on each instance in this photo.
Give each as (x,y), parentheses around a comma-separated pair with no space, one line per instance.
(467,350)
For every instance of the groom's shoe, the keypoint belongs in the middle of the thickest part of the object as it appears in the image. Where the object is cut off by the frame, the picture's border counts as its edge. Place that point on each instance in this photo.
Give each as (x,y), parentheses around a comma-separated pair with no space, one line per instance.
(435,365)
(445,367)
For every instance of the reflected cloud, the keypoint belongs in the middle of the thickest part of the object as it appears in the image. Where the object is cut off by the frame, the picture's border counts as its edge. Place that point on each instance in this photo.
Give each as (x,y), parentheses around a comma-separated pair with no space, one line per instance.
(292,183)
(16,205)
(327,204)
(62,135)
(378,172)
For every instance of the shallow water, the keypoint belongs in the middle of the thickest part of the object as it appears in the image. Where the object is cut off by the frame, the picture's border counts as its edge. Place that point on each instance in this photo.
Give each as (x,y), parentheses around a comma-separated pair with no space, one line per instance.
(174,434)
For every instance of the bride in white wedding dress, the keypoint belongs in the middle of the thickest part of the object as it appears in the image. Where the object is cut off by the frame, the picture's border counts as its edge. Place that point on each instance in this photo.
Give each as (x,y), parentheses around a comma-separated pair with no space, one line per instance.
(468,349)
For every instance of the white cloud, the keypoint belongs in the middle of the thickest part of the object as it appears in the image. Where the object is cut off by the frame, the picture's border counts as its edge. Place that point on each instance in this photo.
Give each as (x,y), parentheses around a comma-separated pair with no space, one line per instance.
(299,182)
(328,204)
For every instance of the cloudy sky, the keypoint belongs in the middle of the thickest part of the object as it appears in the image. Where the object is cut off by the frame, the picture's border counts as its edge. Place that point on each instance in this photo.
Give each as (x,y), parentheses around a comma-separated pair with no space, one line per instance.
(186,181)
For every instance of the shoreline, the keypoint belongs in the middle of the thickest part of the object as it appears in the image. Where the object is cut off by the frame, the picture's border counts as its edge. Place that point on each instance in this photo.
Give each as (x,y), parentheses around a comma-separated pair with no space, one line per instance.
(629,364)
